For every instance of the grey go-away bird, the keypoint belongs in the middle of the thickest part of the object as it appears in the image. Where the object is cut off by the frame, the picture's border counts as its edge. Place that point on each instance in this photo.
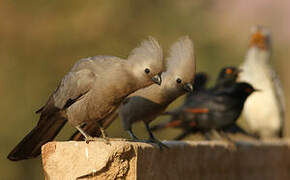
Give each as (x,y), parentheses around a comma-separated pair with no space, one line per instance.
(153,100)
(264,112)
(147,103)
(91,91)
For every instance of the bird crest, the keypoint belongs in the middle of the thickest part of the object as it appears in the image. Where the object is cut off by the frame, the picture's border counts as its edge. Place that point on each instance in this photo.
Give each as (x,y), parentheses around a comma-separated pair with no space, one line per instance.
(149,53)
(260,38)
(181,60)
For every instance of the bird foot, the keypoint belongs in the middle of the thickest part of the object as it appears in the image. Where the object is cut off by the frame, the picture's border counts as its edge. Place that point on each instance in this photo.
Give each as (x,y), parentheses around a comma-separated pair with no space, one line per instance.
(232,146)
(154,141)
(106,140)
(157,142)
(89,139)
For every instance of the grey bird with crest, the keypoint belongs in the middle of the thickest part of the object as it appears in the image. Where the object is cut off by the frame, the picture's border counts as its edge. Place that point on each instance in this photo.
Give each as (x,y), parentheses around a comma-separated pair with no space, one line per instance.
(92,90)
(147,103)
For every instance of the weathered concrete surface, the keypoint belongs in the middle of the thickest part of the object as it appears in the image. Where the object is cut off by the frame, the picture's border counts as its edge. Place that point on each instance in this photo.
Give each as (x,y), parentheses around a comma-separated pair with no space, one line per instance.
(184,160)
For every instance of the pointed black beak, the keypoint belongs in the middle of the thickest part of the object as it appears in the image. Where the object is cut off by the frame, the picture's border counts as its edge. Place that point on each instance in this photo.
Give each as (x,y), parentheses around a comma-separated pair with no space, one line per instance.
(257,90)
(188,87)
(157,79)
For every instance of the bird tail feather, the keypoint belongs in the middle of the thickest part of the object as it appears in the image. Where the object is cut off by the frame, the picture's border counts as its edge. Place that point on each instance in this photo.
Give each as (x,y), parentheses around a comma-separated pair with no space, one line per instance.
(45,131)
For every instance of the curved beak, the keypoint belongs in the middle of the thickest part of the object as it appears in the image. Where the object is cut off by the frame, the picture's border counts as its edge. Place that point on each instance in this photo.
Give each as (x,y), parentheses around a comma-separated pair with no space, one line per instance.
(188,87)
(157,79)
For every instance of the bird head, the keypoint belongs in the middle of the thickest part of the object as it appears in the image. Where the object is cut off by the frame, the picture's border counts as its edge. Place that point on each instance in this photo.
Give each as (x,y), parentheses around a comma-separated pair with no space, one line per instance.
(180,65)
(200,80)
(260,38)
(242,90)
(228,75)
(147,61)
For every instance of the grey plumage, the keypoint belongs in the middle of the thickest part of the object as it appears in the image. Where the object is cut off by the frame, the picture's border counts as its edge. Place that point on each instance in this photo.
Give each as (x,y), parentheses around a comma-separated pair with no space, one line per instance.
(92,90)
(263,111)
(147,103)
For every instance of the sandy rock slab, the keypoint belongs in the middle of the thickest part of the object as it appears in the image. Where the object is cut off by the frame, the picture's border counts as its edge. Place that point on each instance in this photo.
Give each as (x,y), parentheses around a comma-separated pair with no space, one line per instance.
(183,160)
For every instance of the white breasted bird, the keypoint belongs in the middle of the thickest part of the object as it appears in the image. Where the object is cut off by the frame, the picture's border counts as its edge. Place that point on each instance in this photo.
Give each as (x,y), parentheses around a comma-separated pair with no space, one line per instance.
(147,103)
(91,91)
(264,112)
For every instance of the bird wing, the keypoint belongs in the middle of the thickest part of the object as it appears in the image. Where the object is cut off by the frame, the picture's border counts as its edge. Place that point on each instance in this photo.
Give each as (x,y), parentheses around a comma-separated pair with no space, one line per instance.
(81,78)
(278,89)
(72,87)
(97,64)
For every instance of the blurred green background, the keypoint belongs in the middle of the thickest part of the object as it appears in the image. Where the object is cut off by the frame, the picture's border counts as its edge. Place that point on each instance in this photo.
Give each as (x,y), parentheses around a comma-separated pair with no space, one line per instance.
(41,40)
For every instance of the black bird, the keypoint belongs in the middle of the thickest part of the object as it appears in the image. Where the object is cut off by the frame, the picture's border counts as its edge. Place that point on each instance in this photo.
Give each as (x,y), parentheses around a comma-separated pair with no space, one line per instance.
(227,76)
(217,111)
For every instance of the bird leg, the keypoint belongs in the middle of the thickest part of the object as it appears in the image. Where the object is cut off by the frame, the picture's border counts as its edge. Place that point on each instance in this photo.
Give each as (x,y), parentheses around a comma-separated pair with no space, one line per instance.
(215,134)
(104,134)
(207,136)
(88,138)
(211,134)
(132,135)
(152,138)
(232,143)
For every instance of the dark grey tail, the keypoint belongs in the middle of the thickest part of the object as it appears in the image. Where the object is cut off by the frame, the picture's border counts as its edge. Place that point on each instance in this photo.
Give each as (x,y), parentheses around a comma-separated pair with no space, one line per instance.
(45,131)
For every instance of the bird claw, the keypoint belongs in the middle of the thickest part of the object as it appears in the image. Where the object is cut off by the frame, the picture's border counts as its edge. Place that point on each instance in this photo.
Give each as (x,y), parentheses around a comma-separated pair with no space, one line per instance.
(106,140)
(232,146)
(89,139)
(157,142)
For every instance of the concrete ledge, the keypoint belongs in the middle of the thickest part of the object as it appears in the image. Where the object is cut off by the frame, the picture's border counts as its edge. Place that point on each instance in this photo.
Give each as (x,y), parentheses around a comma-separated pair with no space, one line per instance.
(184,160)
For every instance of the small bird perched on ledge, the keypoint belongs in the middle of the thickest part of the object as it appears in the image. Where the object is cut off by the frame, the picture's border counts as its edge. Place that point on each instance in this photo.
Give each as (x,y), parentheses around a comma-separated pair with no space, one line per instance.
(91,91)
(226,78)
(215,111)
(147,103)
(264,112)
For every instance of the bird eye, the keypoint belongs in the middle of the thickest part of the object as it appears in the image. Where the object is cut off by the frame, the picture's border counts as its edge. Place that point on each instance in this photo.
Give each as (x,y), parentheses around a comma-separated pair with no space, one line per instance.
(147,71)
(249,90)
(178,80)
(229,71)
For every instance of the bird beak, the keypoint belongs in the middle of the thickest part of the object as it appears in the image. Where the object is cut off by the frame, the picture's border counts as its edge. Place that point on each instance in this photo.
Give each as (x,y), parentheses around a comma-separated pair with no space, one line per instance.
(239,71)
(188,87)
(257,90)
(157,79)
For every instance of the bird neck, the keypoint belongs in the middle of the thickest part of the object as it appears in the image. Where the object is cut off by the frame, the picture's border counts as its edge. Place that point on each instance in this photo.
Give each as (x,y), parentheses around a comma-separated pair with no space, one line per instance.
(256,56)
(169,92)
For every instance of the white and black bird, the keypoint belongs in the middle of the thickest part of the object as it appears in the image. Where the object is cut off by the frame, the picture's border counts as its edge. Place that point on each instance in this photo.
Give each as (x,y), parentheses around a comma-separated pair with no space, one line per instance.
(264,112)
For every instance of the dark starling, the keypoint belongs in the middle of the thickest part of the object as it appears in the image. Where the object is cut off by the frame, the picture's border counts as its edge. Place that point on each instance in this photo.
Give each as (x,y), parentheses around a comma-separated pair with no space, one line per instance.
(218,110)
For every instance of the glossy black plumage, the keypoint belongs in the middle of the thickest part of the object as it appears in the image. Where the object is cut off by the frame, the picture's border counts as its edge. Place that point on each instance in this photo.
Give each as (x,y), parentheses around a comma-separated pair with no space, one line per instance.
(217,108)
